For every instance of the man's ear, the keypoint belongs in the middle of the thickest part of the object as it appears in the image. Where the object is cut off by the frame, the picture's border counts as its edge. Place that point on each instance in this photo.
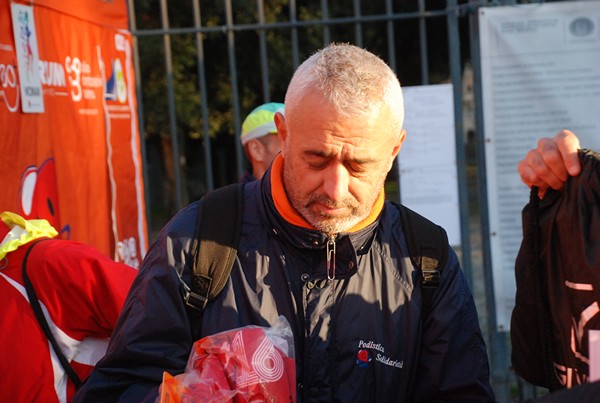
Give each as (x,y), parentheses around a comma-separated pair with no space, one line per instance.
(280,123)
(255,150)
(396,147)
(398,143)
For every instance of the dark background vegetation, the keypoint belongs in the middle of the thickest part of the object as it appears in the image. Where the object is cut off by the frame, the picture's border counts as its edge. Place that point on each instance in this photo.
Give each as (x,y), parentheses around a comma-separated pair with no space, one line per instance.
(189,123)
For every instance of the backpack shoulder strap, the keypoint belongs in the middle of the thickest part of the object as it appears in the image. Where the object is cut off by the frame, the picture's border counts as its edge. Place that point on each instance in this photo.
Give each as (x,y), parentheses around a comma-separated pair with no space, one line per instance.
(428,249)
(215,243)
(39,315)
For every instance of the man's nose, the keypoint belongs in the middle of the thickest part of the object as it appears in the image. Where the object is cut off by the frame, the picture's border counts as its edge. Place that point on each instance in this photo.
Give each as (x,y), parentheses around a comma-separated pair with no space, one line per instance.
(336,182)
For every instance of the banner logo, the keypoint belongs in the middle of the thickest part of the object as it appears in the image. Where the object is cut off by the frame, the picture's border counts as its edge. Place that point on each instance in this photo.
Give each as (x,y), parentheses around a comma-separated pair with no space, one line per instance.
(9,88)
(32,97)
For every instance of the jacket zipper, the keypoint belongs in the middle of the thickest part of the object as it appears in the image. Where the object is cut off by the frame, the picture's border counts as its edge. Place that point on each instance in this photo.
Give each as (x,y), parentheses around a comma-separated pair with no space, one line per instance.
(331,256)
(331,252)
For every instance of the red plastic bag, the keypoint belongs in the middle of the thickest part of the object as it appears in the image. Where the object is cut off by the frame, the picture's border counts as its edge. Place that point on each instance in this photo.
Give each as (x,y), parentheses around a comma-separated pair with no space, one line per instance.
(248,364)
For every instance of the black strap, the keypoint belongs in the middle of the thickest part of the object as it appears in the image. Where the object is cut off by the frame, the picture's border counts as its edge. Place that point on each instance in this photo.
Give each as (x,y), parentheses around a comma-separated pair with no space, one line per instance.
(37,310)
(428,249)
(218,229)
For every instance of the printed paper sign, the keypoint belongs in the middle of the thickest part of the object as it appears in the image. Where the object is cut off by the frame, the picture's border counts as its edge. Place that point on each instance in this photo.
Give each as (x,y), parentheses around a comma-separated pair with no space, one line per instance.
(427,163)
(539,74)
(26,47)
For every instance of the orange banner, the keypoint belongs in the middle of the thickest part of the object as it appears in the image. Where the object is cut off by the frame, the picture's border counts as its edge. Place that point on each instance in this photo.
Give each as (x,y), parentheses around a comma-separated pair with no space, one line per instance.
(77,163)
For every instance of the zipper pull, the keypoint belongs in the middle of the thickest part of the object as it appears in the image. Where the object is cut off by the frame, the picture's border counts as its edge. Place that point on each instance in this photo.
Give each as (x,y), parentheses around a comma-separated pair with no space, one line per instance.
(331,257)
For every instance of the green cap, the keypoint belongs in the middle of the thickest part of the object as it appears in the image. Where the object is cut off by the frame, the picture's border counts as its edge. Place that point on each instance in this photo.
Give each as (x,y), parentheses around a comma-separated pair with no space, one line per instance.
(260,121)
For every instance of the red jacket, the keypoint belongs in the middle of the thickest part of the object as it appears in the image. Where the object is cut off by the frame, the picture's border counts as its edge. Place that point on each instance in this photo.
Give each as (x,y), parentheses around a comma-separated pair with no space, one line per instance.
(82,293)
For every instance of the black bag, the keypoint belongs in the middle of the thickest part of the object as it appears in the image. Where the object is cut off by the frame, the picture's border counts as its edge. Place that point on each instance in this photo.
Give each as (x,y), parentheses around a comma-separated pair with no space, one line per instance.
(558,281)
(588,392)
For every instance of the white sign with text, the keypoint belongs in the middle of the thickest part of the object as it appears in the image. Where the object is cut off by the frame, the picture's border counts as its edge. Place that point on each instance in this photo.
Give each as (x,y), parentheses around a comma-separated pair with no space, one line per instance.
(540,74)
(427,160)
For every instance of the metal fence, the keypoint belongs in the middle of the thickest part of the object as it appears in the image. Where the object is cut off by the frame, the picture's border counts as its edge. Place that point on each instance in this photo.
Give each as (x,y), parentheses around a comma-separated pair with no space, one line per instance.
(202,66)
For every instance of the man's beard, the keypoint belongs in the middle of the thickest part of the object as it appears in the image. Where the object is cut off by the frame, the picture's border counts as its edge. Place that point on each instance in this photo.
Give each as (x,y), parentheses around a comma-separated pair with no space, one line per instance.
(326,223)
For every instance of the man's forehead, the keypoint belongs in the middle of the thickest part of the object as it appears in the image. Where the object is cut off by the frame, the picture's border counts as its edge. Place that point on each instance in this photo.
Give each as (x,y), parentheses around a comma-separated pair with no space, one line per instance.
(361,155)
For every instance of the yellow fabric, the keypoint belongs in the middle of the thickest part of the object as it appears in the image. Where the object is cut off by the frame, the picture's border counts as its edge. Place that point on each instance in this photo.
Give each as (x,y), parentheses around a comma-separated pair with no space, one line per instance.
(23,231)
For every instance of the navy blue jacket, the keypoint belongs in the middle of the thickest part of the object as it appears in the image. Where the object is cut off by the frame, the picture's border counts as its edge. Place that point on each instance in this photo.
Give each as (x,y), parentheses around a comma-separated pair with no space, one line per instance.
(372,306)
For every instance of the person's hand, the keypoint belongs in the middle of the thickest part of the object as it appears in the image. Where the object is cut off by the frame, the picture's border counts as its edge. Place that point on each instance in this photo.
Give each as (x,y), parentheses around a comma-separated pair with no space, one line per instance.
(548,165)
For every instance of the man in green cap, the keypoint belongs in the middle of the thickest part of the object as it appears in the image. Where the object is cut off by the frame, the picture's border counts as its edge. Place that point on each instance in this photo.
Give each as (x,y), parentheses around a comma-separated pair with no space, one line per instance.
(259,138)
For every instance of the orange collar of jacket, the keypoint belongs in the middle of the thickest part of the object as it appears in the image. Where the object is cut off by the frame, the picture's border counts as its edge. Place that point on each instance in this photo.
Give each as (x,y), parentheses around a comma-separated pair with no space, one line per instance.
(289,213)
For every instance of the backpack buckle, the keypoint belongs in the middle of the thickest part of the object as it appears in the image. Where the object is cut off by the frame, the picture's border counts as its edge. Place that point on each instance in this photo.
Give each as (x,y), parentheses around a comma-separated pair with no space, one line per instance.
(431,278)
(195,301)
(198,300)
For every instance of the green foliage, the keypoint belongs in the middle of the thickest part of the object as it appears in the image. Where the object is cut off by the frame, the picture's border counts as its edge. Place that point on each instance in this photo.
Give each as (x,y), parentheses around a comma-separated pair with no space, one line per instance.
(238,77)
